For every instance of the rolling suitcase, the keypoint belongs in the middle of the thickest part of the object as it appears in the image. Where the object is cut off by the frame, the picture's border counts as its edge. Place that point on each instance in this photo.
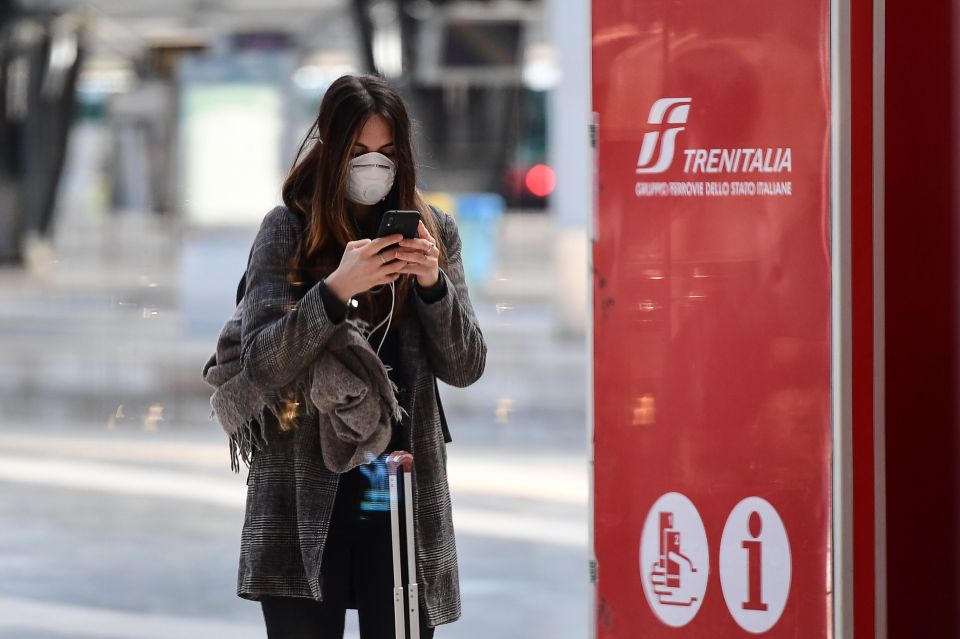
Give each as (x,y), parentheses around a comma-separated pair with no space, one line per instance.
(395,462)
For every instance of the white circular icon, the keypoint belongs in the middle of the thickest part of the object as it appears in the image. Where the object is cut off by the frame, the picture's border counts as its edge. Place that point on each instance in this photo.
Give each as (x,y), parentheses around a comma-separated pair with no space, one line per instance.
(674,559)
(755,565)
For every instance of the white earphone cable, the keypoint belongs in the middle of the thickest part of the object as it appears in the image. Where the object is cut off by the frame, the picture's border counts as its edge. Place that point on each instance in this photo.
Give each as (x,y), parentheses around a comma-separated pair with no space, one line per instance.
(386,320)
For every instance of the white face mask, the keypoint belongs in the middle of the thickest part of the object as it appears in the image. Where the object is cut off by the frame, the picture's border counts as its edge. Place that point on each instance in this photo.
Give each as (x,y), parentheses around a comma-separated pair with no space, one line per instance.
(370,178)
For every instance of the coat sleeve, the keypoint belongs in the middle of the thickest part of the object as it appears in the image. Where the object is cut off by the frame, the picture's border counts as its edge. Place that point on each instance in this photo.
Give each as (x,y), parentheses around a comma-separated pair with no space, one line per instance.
(455,345)
(282,333)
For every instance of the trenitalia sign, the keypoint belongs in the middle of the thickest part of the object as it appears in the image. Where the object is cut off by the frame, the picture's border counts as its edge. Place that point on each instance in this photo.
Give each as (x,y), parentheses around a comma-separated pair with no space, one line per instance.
(711,267)
(659,146)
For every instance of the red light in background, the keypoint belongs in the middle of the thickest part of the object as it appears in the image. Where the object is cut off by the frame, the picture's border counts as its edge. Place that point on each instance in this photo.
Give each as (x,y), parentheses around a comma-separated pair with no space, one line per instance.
(540,180)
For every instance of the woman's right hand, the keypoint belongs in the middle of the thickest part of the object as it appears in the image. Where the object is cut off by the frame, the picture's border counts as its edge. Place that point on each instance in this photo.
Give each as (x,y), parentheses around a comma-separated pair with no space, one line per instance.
(362,267)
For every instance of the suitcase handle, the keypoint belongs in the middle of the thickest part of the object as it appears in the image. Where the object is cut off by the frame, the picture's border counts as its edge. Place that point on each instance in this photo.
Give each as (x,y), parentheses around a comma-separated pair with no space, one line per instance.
(400,458)
(395,461)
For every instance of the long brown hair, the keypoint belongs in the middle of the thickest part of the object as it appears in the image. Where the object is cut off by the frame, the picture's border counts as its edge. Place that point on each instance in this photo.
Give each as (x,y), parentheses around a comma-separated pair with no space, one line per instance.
(315,188)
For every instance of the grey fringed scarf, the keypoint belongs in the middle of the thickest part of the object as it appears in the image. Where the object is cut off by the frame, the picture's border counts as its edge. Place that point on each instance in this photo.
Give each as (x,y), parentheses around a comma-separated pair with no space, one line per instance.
(347,386)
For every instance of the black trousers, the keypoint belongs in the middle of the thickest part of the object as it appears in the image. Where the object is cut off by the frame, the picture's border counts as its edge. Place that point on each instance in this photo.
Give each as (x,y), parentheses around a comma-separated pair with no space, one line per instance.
(357,573)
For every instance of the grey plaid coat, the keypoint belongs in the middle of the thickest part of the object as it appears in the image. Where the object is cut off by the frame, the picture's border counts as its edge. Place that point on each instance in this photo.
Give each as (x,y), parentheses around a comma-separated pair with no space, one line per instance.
(290,493)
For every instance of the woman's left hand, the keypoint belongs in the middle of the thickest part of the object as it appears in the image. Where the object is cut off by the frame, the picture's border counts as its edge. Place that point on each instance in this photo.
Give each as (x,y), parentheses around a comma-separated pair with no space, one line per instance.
(422,257)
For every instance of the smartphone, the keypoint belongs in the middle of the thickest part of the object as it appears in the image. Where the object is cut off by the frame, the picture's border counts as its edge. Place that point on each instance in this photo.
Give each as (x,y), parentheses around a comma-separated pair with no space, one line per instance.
(404,222)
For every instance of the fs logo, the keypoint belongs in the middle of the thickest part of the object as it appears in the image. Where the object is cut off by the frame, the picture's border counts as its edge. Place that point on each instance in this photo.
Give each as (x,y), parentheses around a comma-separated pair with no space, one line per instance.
(669,111)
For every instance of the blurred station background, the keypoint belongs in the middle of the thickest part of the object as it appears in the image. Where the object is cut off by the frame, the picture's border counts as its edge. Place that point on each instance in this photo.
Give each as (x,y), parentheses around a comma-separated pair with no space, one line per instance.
(141,143)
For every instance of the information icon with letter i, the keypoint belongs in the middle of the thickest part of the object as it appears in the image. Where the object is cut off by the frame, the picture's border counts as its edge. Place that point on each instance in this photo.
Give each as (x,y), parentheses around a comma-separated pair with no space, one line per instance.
(674,560)
(755,565)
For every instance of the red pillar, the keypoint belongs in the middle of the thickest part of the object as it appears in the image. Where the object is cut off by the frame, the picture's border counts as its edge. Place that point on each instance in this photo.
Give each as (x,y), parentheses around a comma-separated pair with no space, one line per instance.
(921,316)
(862,108)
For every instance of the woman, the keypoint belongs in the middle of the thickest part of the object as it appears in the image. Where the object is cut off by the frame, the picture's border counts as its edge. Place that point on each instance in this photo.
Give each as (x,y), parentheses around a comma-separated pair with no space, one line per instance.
(316,542)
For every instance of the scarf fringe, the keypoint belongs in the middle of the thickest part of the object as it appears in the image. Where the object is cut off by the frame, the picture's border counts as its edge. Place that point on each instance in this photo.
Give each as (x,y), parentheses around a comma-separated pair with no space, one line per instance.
(244,443)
